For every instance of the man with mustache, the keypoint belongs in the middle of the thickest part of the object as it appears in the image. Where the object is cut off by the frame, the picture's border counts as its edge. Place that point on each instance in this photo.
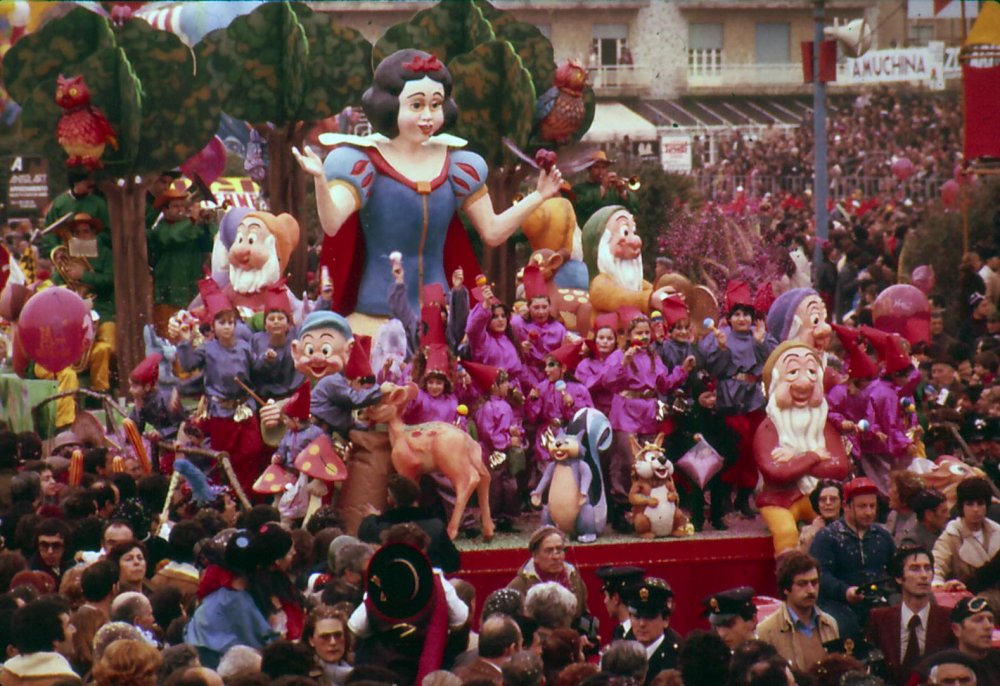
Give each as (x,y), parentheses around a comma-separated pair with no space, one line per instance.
(798,629)
(916,627)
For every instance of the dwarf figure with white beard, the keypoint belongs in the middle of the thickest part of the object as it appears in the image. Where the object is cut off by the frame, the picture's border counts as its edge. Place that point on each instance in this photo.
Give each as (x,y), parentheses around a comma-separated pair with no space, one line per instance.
(795,445)
(613,252)
(256,259)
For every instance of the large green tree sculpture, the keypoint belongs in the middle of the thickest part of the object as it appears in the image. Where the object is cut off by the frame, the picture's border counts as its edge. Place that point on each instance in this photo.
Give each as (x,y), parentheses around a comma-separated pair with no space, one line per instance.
(282,68)
(161,107)
(499,66)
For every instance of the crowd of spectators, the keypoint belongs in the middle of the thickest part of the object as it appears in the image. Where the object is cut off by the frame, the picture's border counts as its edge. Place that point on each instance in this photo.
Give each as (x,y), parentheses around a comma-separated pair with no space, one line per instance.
(867,133)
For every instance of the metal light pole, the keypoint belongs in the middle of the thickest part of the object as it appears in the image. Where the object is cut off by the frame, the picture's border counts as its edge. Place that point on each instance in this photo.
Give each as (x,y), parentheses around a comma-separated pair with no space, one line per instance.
(821,185)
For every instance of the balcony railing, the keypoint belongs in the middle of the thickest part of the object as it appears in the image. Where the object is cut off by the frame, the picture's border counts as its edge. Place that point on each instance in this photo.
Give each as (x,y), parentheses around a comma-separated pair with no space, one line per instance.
(716,74)
(620,79)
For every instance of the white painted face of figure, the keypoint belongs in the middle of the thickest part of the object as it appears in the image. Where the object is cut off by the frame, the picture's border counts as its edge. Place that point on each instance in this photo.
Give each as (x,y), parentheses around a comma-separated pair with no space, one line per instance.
(421,109)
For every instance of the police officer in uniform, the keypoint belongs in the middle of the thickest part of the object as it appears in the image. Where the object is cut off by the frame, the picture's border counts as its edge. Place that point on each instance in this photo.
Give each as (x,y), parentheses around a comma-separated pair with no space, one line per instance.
(614,581)
(650,604)
(733,615)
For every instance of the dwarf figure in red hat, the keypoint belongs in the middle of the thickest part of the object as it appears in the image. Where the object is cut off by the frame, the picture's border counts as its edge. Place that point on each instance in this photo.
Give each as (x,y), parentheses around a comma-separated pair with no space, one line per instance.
(436,400)
(543,331)
(734,356)
(891,442)
(156,407)
(556,399)
(274,372)
(795,445)
(500,434)
(299,429)
(226,360)
(849,399)
(691,412)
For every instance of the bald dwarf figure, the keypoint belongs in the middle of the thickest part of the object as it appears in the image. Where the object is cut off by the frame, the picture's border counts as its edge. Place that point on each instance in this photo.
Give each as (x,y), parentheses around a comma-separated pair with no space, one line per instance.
(796,445)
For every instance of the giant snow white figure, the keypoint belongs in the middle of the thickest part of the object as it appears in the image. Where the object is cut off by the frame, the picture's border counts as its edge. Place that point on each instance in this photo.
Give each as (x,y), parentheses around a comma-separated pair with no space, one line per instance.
(399,190)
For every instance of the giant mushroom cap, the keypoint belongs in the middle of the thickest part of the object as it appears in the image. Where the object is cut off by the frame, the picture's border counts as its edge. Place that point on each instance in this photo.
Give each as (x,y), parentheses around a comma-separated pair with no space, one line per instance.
(319,460)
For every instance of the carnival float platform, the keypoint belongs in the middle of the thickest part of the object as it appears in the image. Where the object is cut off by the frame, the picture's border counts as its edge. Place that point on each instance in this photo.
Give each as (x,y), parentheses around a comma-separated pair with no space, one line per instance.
(695,567)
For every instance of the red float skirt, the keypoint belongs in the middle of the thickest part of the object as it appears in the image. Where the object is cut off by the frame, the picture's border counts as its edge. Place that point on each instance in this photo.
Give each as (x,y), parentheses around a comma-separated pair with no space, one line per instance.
(242,441)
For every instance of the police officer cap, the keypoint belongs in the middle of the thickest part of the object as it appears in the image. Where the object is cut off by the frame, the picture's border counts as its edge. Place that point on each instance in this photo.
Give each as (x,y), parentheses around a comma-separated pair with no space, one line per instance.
(617,579)
(722,607)
(649,598)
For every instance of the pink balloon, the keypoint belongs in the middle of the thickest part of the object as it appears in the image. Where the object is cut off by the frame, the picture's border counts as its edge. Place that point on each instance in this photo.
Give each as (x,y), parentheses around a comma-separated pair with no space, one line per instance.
(950,193)
(903,309)
(55,328)
(923,278)
(208,163)
(902,168)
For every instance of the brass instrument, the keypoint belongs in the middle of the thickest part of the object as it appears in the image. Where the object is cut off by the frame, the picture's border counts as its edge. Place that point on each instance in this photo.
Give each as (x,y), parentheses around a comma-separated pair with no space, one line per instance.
(632,183)
(62,260)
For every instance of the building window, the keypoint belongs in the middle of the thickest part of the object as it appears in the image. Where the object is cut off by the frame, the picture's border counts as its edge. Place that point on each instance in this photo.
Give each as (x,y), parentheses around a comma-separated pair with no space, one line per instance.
(610,45)
(773,43)
(704,48)
(921,34)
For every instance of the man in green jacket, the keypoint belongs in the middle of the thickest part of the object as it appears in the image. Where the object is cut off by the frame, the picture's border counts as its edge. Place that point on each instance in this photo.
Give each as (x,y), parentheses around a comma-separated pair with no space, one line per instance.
(603,187)
(177,247)
(82,196)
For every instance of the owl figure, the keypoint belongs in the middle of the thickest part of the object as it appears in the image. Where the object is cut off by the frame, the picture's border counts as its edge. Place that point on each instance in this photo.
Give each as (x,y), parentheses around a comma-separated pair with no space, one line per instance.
(83,130)
(560,110)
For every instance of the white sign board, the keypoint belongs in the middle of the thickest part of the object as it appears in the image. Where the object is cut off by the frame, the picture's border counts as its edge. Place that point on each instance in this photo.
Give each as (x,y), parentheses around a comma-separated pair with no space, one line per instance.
(925,65)
(675,153)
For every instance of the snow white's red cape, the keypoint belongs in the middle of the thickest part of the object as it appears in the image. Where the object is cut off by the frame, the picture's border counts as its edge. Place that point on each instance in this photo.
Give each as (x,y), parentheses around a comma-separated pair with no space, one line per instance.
(344,254)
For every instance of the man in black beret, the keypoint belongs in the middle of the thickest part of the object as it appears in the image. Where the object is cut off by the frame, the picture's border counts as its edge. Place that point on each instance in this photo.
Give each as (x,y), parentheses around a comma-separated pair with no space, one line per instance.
(650,604)
(614,581)
(733,615)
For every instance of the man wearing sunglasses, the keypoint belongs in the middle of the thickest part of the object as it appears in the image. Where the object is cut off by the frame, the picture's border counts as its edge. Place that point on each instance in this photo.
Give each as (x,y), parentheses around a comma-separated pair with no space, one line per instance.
(50,544)
(972,622)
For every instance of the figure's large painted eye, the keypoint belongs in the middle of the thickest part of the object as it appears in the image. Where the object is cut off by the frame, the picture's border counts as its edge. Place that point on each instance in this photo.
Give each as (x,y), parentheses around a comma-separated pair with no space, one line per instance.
(326,350)
(309,349)
(251,239)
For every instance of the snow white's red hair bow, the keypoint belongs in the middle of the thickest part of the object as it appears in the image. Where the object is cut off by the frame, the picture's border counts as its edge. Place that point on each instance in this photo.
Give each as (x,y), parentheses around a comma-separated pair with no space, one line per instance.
(419,64)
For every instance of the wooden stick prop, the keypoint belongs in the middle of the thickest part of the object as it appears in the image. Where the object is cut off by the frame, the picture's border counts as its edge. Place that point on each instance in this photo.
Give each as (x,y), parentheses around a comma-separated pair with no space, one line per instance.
(223,459)
(249,391)
(227,466)
(175,481)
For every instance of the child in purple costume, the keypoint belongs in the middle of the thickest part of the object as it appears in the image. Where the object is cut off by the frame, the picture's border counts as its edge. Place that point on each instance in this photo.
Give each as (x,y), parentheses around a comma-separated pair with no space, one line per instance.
(556,399)
(637,376)
(500,436)
(590,371)
(540,334)
(491,338)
